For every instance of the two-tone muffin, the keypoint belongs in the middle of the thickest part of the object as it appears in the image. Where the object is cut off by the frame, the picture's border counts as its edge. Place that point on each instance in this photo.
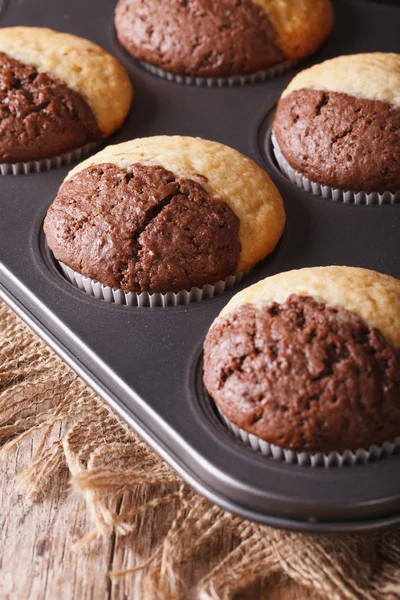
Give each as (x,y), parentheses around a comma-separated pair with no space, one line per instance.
(224,39)
(307,363)
(337,125)
(163,214)
(58,93)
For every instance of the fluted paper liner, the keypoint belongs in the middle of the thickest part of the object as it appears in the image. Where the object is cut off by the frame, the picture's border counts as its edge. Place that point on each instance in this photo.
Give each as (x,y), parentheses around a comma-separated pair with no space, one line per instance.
(153,300)
(361,456)
(221,81)
(319,189)
(45,164)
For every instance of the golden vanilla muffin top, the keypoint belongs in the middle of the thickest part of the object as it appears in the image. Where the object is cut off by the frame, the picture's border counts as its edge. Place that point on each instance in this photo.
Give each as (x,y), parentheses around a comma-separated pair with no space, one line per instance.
(78,63)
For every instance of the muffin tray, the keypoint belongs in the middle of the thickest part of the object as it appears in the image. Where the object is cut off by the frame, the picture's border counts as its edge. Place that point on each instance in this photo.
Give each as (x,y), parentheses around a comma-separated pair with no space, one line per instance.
(147,362)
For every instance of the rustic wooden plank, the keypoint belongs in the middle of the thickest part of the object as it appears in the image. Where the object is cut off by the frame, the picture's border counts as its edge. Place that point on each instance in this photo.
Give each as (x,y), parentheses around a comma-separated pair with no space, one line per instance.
(37,561)
(36,557)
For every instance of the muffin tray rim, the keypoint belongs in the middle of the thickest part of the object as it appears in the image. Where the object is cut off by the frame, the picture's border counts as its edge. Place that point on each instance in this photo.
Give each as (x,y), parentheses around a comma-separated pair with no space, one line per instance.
(308,525)
(50,313)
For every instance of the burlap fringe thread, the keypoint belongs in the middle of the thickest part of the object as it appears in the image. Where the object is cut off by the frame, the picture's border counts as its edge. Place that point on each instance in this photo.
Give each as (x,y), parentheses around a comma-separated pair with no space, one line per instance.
(106,461)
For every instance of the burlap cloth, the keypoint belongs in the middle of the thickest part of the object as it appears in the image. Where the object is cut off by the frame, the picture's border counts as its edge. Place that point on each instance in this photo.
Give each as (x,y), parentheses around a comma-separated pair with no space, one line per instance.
(106,460)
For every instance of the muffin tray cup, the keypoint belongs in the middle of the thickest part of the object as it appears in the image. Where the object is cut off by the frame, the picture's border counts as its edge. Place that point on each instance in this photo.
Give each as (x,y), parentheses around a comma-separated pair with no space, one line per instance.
(147,362)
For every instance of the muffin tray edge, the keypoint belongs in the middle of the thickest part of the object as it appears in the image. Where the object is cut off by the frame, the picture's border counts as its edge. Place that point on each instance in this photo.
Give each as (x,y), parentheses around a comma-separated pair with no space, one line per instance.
(118,350)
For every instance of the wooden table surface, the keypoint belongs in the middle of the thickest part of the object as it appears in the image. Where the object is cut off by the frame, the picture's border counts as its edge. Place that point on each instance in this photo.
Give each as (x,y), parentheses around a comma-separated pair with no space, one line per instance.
(38,562)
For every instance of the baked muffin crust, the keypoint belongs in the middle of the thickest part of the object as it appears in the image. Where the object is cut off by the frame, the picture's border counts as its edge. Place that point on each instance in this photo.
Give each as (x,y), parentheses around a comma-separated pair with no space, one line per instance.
(301,26)
(40,117)
(79,64)
(310,359)
(200,37)
(203,38)
(224,173)
(340,140)
(304,376)
(371,76)
(142,229)
(338,123)
(372,296)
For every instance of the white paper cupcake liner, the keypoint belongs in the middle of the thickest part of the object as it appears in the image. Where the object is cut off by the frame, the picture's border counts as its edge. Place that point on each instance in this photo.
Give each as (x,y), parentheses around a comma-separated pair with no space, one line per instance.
(45,164)
(318,189)
(153,300)
(361,456)
(221,81)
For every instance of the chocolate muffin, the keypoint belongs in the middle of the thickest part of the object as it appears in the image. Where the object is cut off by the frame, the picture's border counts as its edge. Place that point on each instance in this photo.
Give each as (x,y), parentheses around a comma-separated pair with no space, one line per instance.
(58,92)
(338,123)
(203,38)
(164,214)
(309,360)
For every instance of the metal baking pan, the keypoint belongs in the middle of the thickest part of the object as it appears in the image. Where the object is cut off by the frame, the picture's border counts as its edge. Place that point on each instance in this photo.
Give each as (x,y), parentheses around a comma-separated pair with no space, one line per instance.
(147,363)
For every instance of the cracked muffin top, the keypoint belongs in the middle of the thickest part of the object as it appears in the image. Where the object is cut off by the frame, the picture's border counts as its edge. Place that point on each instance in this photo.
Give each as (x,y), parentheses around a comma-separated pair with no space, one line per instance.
(338,123)
(58,92)
(204,38)
(164,214)
(309,360)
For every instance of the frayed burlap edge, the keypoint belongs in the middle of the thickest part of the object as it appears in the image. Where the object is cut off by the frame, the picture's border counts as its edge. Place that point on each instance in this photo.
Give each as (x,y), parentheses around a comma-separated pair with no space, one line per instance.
(106,460)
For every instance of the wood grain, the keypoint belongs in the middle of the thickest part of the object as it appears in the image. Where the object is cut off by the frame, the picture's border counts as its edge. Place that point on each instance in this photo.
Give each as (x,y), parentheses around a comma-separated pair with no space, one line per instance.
(37,561)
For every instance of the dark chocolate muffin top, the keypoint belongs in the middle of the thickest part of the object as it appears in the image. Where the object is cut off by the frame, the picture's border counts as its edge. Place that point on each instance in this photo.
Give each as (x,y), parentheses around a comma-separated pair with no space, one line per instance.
(218,39)
(142,229)
(305,375)
(338,123)
(58,92)
(39,116)
(164,214)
